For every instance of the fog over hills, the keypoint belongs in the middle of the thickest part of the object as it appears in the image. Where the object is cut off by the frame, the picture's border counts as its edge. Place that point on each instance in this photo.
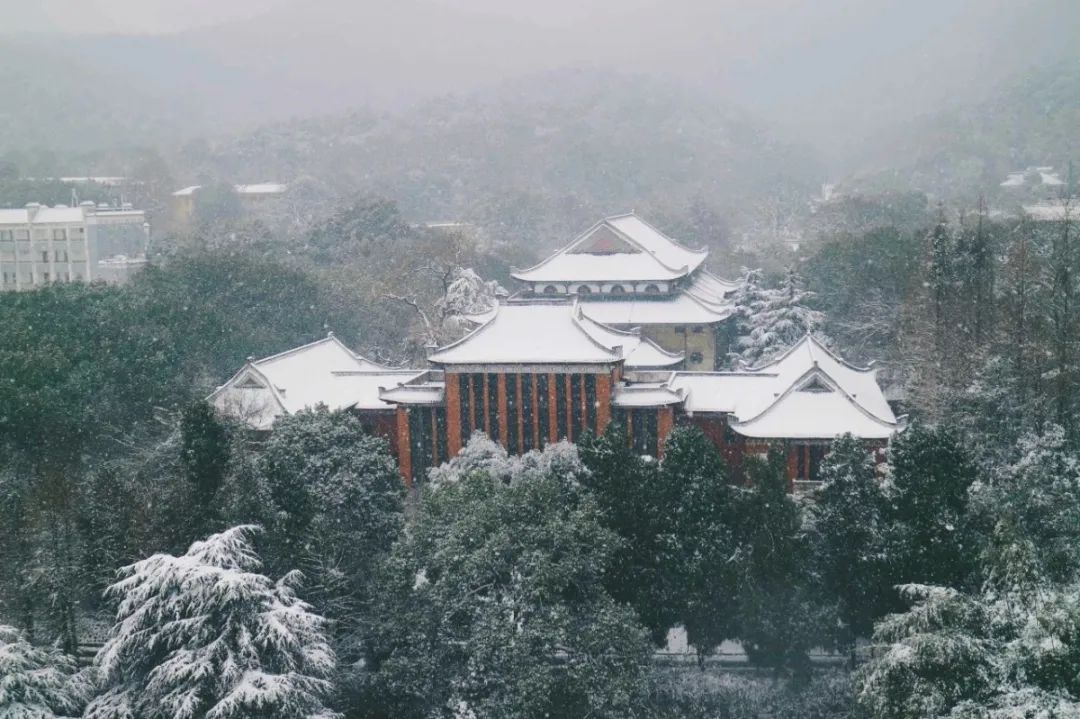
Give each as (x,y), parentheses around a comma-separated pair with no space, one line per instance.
(833,74)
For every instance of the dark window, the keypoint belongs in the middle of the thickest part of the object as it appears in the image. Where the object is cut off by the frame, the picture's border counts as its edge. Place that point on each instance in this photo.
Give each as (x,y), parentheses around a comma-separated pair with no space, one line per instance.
(493,406)
(800,461)
(698,329)
(465,417)
(652,290)
(440,434)
(577,412)
(513,433)
(560,406)
(696,358)
(817,455)
(617,290)
(584,290)
(420,441)
(527,417)
(651,421)
(478,404)
(680,330)
(729,434)
(543,408)
(644,431)
(590,402)
(551,290)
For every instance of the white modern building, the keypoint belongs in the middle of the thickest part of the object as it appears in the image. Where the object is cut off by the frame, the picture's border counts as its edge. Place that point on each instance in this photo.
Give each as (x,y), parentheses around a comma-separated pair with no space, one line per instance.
(40,245)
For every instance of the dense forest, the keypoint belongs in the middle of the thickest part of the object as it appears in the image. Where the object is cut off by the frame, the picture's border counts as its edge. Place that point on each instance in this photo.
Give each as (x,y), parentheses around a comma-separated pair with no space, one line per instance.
(540,585)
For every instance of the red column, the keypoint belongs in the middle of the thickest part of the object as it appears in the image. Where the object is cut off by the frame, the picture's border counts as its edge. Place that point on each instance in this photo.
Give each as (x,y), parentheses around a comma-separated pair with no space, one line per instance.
(519,418)
(404,446)
(484,398)
(553,413)
(570,407)
(603,401)
(500,403)
(665,420)
(453,414)
(792,465)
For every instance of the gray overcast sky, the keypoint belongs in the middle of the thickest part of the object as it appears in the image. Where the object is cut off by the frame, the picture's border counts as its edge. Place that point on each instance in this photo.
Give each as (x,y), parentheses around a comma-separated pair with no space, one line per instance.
(124,16)
(826,70)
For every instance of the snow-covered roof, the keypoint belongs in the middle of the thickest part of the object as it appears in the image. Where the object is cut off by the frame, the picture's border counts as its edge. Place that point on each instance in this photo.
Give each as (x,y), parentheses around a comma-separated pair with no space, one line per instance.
(725,392)
(415,392)
(702,301)
(43,215)
(806,393)
(104,180)
(646,394)
(322,372)
(262,188)
(619,248)
(550,332)
(638,351)
(1054,210)
(1047,176)
(258,188)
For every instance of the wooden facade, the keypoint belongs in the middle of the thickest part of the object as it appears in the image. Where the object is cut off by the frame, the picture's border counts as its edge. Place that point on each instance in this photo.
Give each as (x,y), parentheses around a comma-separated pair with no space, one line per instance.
(528,409)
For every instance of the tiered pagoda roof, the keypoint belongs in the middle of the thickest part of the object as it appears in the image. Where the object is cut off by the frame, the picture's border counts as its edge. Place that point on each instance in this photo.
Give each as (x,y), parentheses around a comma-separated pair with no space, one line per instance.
(628,273)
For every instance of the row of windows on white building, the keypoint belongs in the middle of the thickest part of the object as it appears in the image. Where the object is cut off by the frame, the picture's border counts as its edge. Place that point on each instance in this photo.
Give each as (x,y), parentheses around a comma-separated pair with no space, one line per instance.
(608,289)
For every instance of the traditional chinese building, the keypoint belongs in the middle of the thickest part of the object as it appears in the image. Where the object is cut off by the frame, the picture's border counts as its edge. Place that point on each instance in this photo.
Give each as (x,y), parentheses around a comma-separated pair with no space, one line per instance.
(543,367)
(626,274)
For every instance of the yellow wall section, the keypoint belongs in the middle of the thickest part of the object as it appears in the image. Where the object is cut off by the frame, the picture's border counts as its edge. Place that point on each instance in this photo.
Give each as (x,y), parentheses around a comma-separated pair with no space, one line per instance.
(704,342)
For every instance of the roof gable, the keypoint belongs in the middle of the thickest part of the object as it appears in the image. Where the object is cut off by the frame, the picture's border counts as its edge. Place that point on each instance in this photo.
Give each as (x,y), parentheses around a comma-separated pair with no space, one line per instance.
(806,393)
(602,240)
(619,248)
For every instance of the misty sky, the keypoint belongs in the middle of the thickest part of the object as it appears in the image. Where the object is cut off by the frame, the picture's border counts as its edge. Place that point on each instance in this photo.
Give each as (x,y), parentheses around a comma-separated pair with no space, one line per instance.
(125,16)
(827,71)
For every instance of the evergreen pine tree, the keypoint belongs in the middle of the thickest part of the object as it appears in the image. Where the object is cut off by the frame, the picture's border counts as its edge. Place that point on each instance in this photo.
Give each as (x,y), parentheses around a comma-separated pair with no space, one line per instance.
(206,636)
(929,535)
(634,504)
(36,682)
(336,507)
(1035,500)
(768,321)
(701,508)
(204,456)
(936,656)
(780,612)
(848,533)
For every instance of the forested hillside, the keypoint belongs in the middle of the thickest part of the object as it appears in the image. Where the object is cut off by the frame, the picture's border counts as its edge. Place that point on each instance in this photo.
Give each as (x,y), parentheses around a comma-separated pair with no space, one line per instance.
(540,159)
(965,151)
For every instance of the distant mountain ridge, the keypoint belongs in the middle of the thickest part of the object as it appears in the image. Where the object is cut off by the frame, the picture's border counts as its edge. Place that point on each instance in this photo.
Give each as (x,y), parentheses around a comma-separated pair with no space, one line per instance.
(552,149)
(970,149)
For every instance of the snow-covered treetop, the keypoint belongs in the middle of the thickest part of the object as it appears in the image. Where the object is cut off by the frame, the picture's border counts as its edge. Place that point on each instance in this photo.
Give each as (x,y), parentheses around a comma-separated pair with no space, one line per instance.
(203,635)
(481,454)
(36,682)
(769,320)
